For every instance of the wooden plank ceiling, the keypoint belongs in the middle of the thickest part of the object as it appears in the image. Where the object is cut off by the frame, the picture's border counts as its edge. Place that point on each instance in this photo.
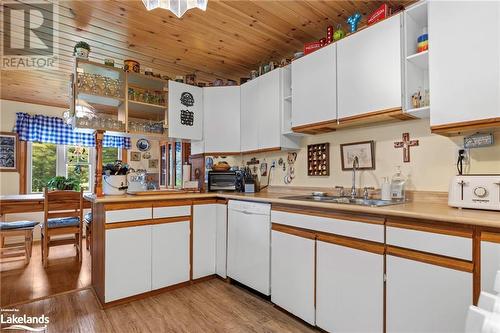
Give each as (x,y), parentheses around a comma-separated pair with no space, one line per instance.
(227,41)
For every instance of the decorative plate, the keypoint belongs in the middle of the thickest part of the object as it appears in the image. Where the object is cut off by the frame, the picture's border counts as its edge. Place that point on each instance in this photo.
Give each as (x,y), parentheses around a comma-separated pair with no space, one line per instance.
(143,144)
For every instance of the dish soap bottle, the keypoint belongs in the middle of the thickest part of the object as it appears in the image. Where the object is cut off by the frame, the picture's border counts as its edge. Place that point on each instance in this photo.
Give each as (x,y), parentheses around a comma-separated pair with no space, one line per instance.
(398,186)
(386,189)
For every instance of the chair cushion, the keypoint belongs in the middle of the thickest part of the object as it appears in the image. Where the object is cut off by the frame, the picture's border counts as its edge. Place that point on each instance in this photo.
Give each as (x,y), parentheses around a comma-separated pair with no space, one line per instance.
(88,217)
(17,225)
(61,222)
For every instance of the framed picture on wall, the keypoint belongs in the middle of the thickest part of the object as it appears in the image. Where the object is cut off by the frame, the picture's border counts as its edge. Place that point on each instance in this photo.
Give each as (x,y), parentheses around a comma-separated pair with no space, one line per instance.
(135,156)
(363,150)
(9,152)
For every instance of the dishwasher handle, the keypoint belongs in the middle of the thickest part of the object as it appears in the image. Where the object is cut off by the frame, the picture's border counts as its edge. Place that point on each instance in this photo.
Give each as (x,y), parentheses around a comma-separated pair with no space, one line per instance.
(246,212)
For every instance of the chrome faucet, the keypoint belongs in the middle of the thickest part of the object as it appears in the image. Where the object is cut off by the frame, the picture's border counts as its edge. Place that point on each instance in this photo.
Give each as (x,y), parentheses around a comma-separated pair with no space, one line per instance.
(355,165)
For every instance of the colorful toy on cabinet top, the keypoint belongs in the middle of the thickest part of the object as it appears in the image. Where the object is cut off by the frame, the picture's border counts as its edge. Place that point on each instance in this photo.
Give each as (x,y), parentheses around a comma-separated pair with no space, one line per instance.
(353,21)
(339,33)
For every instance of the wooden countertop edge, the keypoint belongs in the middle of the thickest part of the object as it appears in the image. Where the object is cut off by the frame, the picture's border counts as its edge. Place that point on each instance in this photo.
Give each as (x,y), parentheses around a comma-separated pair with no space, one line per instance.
(403,210)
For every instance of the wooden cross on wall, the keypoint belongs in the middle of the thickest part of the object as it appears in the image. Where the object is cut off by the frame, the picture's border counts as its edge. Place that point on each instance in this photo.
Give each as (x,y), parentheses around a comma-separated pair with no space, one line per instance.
(406,144)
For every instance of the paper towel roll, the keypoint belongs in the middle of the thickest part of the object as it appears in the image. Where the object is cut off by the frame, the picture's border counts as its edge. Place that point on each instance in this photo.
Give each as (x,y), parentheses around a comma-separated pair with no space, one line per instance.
(186,173)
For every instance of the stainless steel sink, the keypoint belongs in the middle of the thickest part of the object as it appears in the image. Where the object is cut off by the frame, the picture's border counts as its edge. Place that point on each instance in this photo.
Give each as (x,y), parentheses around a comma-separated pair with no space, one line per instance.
(344,200)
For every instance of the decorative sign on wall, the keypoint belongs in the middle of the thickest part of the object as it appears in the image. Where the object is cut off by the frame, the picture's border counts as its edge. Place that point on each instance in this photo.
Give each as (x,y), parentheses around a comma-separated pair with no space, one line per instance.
(406,144)
(318,159)
(185,114)
(8,151)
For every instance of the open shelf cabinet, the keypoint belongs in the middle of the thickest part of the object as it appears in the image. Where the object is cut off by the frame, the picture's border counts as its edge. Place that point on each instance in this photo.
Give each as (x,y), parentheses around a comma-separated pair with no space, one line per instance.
(416,64)
(121,102)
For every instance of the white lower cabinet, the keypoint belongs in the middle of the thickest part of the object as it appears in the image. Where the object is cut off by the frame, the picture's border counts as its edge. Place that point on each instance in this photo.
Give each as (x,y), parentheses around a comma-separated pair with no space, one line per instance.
(349,289)
(426,298)
(292,274)
(169,254)
(127,262)
(204,240)
(490,265)
(221,240)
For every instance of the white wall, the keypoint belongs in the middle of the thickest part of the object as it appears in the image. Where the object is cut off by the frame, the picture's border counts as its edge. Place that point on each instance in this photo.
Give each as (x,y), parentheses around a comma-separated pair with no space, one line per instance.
(432,165)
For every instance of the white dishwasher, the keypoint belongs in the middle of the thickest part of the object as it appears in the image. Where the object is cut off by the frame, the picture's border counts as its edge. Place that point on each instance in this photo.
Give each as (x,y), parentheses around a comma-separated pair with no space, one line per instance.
(249,244)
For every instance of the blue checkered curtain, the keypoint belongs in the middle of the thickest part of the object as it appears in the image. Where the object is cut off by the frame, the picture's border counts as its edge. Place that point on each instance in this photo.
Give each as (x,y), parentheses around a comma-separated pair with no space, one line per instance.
(40,128)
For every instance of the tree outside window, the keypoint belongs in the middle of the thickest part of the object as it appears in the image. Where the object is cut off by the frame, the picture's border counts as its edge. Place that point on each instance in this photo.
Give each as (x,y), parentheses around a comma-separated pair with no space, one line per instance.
(43,164)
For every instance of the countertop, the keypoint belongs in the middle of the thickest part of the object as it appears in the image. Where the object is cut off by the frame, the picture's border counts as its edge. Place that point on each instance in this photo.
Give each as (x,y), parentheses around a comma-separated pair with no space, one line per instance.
(436,210)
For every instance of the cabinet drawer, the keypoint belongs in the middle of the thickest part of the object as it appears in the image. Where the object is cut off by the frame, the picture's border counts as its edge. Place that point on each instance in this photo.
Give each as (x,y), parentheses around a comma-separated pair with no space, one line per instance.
(172,211)
(124,215)
(362,230)
(447,245)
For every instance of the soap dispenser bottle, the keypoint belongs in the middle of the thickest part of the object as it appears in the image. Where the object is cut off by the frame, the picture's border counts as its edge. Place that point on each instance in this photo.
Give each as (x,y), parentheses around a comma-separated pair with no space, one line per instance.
(398,185)
(386,189)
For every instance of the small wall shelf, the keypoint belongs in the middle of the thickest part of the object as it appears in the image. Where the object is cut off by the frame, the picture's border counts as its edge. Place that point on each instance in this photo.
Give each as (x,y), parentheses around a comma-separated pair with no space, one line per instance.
(421,59)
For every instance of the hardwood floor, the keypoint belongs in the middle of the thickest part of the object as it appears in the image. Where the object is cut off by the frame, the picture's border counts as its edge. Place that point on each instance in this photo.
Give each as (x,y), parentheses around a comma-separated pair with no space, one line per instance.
(21,283)
(210,306)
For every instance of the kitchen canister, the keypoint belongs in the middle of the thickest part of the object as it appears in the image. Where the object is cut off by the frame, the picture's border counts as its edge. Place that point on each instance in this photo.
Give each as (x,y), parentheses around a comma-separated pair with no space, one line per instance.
(114,184)
(131,66)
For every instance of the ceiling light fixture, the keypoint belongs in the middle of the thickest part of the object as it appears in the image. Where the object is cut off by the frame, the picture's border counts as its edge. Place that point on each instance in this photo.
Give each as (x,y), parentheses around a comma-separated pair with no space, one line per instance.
(178,7)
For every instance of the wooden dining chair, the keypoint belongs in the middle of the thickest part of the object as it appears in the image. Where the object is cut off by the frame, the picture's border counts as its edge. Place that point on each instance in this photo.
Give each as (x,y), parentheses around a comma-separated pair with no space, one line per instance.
(17,229)
(63,212)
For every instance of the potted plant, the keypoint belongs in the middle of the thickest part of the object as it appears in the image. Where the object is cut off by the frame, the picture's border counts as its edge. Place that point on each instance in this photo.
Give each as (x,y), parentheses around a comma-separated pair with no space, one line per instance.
(63,183)
(81,50)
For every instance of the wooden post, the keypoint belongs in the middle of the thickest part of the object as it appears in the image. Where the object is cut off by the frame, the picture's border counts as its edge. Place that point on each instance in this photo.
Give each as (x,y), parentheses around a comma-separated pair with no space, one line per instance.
(22,160)
(99,135)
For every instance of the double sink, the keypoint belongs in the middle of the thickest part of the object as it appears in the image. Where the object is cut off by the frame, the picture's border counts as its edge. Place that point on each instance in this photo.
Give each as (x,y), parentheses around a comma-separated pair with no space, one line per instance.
(344,200)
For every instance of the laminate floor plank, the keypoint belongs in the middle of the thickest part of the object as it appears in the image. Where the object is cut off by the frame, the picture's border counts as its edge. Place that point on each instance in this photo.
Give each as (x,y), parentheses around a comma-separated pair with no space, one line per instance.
(21,283)
(210,306)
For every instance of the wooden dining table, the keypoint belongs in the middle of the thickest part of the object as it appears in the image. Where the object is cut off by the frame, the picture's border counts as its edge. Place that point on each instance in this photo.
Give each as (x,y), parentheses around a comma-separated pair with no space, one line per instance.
(25,203)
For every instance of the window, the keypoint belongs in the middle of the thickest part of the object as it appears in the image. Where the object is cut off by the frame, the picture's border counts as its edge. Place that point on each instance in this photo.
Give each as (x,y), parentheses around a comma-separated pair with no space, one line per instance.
(78,165)
(43,165)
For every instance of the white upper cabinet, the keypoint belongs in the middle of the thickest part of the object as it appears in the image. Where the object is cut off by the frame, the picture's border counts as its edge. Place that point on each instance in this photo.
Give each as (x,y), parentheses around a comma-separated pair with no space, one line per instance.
(249,116)
(314,89)
(464,80)
(369,69)
(221,119)
(269,126)
(185,111)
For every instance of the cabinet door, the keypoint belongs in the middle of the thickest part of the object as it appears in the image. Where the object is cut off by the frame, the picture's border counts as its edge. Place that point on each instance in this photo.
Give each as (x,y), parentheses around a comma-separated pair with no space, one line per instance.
(314,87)
(490,265)
(426,298)
(221,239)
(204,240)
(249,122)
(269,129)
(185,111)
(369,69)
(292,274)
(170,254)
(464,83)
(349,290)
(127,262)
(221,119)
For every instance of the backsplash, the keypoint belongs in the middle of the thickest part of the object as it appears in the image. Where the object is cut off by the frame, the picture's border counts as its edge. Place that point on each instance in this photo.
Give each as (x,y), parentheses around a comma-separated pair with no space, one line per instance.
(432,164)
